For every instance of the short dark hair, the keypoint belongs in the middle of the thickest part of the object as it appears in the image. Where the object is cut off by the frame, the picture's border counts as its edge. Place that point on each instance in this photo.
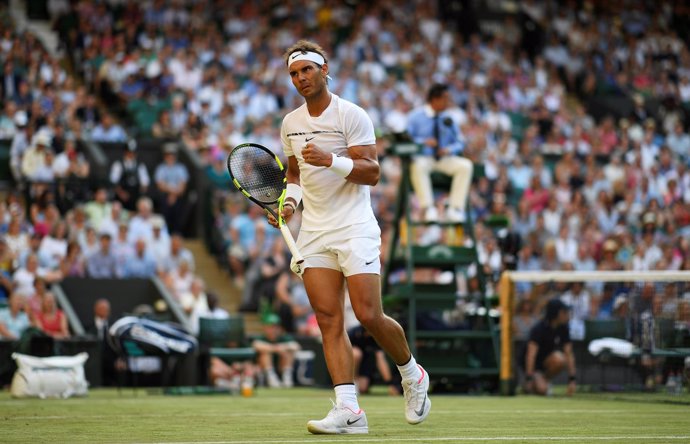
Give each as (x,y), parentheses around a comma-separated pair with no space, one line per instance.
(436,91)
(554,307)
(305,45)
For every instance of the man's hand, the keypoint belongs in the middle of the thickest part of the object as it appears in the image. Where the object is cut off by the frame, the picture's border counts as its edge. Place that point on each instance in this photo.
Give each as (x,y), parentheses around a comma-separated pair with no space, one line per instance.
(314,155)
(432,142)
(288,211)
(442,152)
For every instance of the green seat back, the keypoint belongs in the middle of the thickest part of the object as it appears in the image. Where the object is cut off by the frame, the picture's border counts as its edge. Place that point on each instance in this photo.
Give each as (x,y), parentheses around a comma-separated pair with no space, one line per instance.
(222,332)
(604,328)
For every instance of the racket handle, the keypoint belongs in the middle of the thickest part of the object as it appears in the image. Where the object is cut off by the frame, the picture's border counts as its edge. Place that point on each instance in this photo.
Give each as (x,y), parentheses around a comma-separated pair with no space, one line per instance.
(292,246)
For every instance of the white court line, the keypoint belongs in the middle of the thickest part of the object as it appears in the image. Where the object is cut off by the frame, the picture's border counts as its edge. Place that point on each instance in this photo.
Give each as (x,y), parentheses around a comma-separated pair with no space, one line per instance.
(262,414)
(453,439)
(187,414)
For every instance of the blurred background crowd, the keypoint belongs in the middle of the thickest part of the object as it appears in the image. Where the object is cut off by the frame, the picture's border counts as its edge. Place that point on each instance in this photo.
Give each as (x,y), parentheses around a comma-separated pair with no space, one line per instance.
(574,113)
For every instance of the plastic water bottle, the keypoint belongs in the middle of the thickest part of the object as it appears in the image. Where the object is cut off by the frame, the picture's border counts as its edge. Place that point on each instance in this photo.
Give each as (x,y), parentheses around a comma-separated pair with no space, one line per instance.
(247,387)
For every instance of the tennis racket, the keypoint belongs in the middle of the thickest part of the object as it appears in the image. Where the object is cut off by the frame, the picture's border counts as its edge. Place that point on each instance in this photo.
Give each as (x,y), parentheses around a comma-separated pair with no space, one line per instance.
(260,176)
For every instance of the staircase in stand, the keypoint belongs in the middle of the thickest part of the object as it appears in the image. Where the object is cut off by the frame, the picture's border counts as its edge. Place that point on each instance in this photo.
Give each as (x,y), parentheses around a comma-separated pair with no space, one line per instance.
(218,281)
(426,284)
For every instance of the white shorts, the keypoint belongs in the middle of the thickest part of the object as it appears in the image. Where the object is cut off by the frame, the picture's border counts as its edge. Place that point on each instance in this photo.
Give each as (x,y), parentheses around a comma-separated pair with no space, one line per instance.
(351,250)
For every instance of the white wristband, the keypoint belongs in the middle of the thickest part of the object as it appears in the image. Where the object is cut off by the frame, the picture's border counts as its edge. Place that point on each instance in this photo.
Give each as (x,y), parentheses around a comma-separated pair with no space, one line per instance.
(294,191)
(342,166)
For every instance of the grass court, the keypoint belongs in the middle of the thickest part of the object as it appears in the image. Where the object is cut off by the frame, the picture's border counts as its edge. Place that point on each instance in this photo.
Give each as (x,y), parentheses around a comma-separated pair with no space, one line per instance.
(280,416)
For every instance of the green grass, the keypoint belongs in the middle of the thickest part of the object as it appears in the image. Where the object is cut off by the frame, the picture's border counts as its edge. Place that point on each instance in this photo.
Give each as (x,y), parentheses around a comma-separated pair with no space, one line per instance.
(280,416)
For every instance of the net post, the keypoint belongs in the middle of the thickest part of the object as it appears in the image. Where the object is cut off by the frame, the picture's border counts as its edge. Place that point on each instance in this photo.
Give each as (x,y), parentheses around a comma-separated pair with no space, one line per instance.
(506,301)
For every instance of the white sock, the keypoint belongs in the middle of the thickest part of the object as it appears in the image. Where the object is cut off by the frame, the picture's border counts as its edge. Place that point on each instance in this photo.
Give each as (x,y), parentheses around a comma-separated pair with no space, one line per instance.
(346,395)
(410,370)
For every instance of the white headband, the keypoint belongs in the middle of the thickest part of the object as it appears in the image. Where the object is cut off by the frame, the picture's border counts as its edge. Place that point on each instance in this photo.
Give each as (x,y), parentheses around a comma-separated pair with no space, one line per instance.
(309,56)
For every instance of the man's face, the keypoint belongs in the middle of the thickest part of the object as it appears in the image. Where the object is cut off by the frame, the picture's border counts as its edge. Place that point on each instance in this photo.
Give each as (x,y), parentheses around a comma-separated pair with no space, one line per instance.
(309,80)
(102,310)
(440,103)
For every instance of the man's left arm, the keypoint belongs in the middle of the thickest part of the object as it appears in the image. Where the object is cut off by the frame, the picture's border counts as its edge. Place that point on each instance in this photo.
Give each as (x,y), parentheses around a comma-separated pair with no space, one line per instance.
(366,170)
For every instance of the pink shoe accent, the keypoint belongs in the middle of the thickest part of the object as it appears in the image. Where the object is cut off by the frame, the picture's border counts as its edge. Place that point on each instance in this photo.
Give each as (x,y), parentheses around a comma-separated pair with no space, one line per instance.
(422,378)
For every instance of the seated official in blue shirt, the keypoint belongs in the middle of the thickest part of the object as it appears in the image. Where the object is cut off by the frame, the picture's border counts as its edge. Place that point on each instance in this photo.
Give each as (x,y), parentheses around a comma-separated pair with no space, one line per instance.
(439,136)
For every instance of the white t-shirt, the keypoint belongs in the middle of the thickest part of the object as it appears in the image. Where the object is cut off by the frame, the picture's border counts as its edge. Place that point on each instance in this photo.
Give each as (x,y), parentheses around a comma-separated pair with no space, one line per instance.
(330,201)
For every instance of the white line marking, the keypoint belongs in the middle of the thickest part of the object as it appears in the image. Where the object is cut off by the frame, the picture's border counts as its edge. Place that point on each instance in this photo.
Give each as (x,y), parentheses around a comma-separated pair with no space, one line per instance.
(289,414)
(454,438)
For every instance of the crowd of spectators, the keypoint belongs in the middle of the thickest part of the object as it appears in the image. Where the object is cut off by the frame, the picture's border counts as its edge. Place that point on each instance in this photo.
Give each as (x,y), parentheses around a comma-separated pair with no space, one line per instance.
(578,114)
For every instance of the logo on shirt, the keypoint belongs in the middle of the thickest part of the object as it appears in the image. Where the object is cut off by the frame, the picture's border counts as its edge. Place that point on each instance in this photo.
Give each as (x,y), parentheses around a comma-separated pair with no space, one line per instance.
(307,139)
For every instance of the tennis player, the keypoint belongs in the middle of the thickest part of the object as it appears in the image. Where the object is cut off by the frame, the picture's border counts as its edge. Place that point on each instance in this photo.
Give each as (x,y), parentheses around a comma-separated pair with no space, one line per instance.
(332,162)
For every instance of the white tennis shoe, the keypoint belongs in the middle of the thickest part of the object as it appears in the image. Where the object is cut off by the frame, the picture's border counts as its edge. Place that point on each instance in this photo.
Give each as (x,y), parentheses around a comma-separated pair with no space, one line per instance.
(417,402)
(340,420)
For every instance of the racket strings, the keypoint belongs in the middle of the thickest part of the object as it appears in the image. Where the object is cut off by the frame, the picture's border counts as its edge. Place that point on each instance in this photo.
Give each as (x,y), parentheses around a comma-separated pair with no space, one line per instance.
(257,172)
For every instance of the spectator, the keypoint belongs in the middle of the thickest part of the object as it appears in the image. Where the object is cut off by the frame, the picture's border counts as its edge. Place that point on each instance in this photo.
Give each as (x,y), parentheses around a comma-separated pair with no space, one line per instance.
(20,144)
(16,238)
(50,319)
(130,177)
(214,311)
(101,320)
(439,135)
(115,219)
(294,309)
(524,319)
(179,280)
(102,262)
(177,254)
(122,248)
(549,350)
(89,113)
(35,157)
(140,264)
(273,342)
(368,357)
(6,268)
(89,242)
(99,208)
(73,264)
(171,179)
(163,127)
(99,329)
(159,244)
(13,318)
(24,277)
(141,224)
(70,164)
(195,303)
(578,299)
(54,246)
(108,131)
(34,247)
